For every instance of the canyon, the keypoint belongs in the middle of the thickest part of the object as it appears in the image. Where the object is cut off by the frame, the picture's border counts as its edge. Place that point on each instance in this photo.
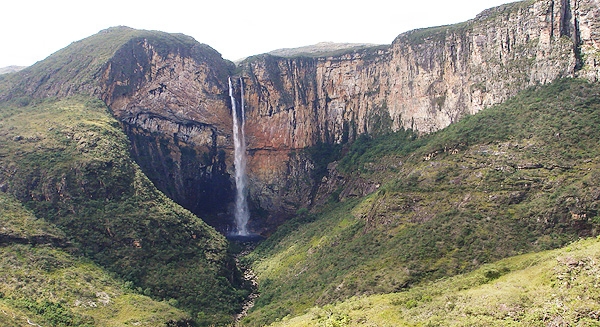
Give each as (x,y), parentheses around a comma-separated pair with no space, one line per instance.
(424,81)
(371,169)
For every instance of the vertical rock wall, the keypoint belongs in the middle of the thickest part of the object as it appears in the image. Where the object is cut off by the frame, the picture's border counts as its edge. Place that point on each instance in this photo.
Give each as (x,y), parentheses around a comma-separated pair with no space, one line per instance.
(425,80)
(172,101)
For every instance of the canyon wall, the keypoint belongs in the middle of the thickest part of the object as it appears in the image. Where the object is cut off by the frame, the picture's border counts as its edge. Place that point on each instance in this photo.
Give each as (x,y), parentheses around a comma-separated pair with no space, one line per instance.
(173,103)
(425,80)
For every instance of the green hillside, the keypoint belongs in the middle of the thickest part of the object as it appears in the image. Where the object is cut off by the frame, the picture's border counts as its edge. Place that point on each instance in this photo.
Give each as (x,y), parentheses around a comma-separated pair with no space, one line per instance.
(516,178)
(67,161)
(551,288)
(43,282)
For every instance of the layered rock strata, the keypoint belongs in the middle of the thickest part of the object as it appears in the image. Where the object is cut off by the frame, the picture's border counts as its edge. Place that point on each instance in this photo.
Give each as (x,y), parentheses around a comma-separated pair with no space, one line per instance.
(425,80)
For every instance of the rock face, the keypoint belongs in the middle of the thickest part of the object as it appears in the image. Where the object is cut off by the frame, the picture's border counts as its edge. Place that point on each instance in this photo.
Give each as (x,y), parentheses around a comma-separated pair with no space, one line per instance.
(425,80)
(173,105)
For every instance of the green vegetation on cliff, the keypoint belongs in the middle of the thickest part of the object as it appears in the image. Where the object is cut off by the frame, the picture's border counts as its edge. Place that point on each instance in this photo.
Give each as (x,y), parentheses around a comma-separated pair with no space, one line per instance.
(78,68)
(324,49)
(67,161)
(516,178)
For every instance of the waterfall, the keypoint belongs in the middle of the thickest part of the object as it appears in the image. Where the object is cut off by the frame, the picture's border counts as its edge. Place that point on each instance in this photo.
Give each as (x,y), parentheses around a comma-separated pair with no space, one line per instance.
(242,213)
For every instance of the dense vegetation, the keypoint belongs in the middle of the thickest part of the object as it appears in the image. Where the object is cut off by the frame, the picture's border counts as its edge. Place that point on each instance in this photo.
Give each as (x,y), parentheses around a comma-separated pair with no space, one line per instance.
(520,177)
(68,161)
(43,281)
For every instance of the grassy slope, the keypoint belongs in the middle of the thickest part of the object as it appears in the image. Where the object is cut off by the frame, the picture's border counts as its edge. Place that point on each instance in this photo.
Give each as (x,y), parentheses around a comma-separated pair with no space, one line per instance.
(78,64)
(520,177)
(48,285)
(551,288)
(68,162)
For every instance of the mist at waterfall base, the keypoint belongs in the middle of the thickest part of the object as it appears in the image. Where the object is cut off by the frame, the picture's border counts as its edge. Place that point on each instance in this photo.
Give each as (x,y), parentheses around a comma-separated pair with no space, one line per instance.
(241,211)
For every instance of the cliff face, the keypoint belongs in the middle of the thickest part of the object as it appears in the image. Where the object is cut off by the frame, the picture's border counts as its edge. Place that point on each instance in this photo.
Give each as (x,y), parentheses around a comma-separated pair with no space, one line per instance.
(173,103)
(425,80)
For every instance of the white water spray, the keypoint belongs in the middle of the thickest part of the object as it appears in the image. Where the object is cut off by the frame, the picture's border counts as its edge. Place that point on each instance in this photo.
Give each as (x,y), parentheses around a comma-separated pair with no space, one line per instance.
(242,214)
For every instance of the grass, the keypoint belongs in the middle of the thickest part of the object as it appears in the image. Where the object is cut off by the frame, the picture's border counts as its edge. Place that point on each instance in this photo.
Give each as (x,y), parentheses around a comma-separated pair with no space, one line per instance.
(51,287)
(517,178)
(547,288)
(67,162)
(323,50)
(436,34)
(19,223)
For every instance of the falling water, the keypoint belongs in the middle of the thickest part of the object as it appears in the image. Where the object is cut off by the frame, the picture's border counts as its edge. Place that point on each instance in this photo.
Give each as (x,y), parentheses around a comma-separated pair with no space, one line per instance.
(239,145)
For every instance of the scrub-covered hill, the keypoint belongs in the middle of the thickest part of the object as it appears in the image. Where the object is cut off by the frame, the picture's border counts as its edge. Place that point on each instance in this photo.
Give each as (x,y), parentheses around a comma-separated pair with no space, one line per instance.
(550,288)
(67,162)
(44,282)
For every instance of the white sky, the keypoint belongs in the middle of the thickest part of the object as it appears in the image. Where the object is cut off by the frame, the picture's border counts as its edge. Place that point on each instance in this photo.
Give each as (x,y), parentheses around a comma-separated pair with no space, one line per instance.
(34,29)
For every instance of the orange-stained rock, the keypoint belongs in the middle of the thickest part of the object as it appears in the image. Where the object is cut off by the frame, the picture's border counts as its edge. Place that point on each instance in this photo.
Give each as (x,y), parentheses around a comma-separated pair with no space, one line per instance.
(425,80)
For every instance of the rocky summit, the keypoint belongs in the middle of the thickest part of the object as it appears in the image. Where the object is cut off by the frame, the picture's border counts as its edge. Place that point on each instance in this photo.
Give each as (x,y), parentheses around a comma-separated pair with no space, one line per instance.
(326,127)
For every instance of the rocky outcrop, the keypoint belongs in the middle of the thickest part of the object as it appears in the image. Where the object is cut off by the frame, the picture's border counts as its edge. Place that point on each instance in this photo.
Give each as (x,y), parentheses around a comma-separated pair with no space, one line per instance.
(173,105)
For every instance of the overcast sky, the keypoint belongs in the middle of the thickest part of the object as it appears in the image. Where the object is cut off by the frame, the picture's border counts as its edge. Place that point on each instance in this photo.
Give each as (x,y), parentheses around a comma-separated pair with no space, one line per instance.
(34,29)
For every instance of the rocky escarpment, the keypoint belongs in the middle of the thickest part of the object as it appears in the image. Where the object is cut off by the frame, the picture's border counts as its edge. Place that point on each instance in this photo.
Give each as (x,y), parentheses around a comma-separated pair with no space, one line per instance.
(425,80)
(172,101)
